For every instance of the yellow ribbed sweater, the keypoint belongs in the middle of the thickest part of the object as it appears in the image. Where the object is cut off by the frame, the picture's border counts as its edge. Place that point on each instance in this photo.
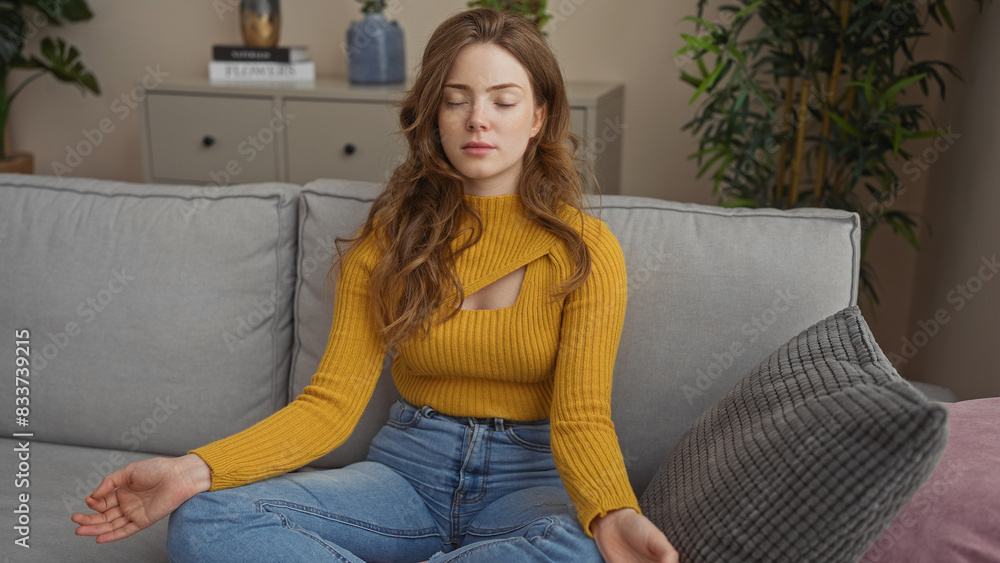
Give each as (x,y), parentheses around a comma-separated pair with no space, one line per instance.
(535,359)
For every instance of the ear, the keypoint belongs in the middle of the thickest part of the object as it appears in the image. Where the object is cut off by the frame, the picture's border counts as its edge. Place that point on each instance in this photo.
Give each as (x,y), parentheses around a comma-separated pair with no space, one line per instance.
(538,121)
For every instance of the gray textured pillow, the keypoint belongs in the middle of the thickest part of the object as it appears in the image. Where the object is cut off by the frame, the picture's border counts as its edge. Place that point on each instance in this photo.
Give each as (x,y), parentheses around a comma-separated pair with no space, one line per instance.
(809,457)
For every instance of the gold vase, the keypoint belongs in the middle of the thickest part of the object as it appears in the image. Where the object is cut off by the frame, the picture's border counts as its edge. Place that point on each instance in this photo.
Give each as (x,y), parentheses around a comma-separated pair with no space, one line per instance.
(260,21)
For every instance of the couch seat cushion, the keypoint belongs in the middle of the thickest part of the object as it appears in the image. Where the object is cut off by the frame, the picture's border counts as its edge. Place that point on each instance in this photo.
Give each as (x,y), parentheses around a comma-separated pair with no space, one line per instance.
(60,476)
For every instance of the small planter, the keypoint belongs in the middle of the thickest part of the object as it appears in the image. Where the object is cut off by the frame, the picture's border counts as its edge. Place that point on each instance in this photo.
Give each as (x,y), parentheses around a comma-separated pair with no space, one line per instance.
(375,51)
(18,163)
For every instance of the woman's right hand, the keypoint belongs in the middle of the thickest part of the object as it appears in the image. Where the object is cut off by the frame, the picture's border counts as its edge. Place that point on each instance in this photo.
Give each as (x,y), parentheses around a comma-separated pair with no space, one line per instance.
(139,494)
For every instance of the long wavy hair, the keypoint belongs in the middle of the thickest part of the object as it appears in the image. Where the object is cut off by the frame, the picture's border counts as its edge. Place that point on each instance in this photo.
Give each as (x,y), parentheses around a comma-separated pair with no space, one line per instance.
(418,215)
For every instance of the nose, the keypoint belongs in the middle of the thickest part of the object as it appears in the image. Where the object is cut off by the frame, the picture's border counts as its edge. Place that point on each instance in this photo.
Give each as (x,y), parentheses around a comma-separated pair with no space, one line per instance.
(477,119)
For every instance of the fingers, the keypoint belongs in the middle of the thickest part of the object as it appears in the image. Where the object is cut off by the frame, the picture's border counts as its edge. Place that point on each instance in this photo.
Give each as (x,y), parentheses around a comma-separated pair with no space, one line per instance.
(105,526)
(111,482)
(99,518)
(120,533)
(102,504)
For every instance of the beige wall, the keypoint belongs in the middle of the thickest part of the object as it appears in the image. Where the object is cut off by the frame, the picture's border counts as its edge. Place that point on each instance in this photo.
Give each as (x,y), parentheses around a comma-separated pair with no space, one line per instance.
(631,42)
(955,288)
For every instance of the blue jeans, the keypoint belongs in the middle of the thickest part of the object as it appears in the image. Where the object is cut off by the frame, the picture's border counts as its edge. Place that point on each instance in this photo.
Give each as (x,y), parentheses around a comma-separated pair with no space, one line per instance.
(433,488)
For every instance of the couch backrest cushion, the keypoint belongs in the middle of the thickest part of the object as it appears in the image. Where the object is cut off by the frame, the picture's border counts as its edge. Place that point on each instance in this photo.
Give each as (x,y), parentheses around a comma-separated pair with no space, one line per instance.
(712,292)
(160,316)
(331,209)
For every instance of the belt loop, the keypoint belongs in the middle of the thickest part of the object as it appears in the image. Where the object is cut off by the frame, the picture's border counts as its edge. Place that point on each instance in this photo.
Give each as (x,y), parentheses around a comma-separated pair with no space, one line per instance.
(498,424)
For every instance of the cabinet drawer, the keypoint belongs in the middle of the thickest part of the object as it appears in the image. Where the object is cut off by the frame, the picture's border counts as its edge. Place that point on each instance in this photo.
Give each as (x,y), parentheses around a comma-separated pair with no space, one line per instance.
(353,140)
(206,139)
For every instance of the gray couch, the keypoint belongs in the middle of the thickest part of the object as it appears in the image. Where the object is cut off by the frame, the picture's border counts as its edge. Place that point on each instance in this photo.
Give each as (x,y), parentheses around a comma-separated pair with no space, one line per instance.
(162,317)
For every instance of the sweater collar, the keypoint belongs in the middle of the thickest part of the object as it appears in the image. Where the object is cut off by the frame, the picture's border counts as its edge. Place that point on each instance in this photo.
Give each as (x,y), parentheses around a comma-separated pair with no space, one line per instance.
(510,240)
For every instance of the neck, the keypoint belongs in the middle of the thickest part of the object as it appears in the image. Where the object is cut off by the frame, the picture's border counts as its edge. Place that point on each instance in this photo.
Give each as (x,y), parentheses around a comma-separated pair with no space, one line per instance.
(505,185)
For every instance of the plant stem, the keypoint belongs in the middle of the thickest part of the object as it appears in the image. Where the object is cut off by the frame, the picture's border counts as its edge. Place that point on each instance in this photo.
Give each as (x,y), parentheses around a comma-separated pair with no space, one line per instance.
(833,81)
(789,92)
(848,107)
(844,7)
(10,99)
(800,142)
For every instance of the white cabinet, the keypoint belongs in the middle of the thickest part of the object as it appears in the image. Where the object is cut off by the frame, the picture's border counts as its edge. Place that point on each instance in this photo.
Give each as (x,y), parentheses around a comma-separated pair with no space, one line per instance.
(197,132)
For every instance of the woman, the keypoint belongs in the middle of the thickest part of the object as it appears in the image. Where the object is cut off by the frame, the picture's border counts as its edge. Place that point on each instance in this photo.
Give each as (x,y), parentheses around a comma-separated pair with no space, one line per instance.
(503,448)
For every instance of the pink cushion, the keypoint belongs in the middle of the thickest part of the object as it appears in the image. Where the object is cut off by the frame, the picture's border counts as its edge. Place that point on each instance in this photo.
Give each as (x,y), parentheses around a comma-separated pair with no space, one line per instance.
(955,516)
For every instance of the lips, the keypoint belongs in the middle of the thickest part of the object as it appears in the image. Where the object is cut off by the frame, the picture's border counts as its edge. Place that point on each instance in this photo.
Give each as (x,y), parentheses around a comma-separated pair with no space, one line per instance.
(477,148)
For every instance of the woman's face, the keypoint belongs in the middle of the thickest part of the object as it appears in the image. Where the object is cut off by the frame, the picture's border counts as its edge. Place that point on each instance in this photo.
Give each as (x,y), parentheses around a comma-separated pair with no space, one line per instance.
(486,118)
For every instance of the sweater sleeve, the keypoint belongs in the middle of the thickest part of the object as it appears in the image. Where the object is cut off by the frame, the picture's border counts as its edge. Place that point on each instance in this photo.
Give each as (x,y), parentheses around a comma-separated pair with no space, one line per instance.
(584,443)
(325,413)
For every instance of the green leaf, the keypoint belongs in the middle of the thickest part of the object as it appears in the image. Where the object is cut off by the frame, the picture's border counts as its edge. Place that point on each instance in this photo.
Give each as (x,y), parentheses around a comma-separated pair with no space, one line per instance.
(702,22)
(903,225)
(739,101)
(748,9)
(62,61)
(12,27)
(690,79)
(708,81)
(843,124)
(740,202)
(737,54)
(703,43)
(927,134)
(867,86)
(721,154)
(946,15)
(890,93)
(702,67)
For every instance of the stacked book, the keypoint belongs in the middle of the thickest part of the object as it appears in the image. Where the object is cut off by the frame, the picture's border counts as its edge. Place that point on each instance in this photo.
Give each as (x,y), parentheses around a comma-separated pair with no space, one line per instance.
(254,64)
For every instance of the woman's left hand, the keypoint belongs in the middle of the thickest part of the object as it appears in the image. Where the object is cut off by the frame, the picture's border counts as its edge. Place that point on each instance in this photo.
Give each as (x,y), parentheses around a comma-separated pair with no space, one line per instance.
(625,536)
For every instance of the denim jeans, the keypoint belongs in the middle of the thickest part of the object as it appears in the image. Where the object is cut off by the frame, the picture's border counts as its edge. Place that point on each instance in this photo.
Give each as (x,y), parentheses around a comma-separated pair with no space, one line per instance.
(433,488)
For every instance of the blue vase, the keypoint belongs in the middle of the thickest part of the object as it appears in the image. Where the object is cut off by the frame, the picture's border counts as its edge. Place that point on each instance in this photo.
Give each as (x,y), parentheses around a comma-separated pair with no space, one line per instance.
(375,53)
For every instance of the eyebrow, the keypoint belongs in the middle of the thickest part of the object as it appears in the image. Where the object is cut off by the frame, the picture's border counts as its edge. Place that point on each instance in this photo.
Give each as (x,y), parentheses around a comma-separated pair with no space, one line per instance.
(490,89)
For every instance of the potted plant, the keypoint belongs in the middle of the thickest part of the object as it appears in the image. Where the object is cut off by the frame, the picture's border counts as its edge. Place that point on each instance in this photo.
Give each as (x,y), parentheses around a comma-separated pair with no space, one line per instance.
(375,48)
(532,10)
(59,59)
(807,109)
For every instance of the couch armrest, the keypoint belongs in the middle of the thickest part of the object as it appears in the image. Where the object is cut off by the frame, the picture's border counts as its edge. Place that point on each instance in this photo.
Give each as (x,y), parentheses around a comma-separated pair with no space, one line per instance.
(935,392)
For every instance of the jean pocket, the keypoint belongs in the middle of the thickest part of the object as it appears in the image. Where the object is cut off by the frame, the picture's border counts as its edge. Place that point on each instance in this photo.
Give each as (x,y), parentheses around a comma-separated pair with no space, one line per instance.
(403,415)
(531,436)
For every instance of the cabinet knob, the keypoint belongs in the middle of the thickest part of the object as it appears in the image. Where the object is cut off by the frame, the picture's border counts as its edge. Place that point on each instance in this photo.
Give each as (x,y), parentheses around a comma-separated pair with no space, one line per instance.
(207,141)
(349,148)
